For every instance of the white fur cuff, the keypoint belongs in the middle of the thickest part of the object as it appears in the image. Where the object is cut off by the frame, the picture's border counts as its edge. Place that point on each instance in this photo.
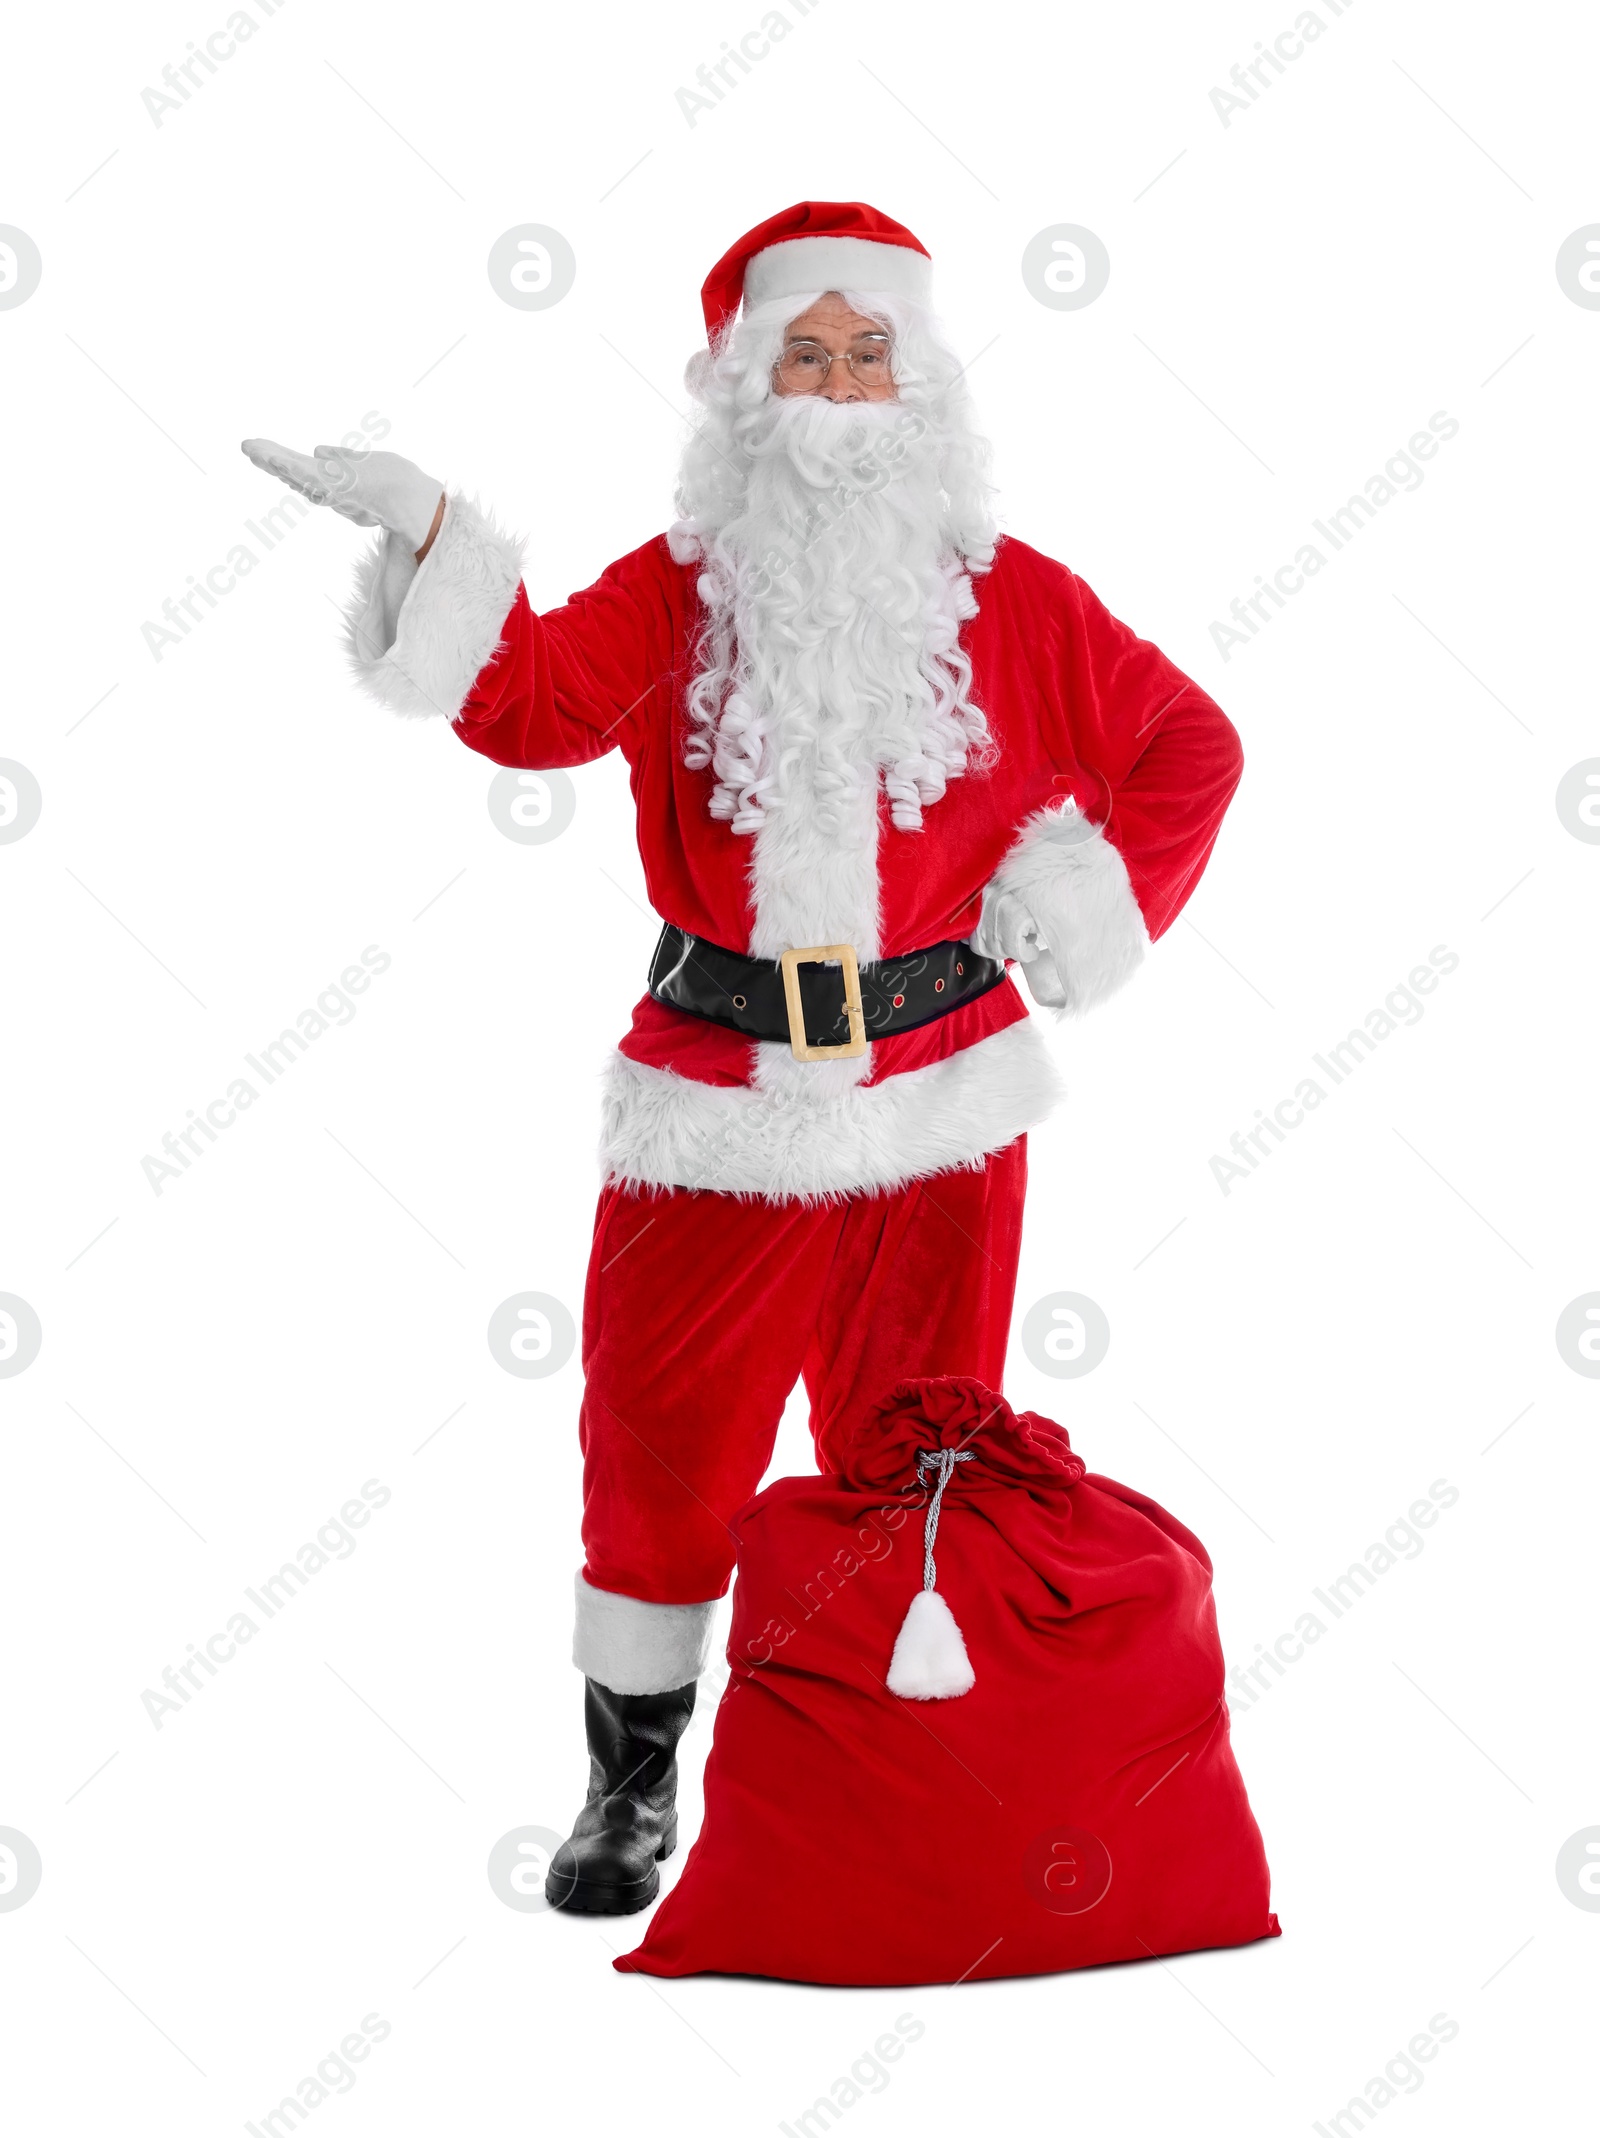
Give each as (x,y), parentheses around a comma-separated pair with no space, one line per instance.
(419,636)
(636,1647)
(1088,934)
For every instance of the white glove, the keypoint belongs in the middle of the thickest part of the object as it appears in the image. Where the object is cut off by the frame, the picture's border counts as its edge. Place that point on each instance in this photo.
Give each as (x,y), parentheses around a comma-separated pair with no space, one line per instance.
(1008,930)
(373,489)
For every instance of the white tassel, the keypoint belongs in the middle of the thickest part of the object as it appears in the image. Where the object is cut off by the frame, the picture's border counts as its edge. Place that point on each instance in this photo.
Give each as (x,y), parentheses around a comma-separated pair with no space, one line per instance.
(930,1659)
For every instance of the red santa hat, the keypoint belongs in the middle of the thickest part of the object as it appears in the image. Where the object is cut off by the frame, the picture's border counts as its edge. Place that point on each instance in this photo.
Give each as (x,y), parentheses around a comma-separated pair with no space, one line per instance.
(817,245)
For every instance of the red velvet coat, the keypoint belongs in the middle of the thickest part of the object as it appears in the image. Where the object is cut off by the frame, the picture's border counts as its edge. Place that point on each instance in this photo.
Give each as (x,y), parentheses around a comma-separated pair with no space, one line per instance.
(1084,712)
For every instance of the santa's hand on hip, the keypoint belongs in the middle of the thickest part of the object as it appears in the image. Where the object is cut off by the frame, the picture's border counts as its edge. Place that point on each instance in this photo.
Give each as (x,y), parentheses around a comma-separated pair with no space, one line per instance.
(1008,930)
(374,489)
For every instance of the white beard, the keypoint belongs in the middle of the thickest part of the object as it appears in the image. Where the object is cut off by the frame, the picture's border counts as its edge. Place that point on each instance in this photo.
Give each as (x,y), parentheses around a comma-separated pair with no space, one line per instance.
(830,670)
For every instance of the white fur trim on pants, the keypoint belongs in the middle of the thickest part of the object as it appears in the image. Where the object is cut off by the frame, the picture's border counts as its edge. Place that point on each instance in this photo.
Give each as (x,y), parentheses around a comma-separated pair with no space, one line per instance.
(419,635)
(811,1141)
(1073,884)
(636,1647)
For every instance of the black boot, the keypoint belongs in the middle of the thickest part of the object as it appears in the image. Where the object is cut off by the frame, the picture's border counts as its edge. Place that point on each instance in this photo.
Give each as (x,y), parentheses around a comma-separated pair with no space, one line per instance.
(630,1822)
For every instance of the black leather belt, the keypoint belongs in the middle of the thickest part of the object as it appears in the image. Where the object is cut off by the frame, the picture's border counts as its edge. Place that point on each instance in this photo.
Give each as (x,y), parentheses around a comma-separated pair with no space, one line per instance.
(825,1004)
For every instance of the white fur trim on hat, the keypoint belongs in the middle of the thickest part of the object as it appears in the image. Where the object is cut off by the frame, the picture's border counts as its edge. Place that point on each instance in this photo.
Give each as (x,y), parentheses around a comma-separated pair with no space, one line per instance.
(797,265)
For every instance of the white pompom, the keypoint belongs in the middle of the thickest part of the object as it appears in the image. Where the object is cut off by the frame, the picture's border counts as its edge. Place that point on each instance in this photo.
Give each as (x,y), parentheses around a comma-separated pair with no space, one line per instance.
(930,1658)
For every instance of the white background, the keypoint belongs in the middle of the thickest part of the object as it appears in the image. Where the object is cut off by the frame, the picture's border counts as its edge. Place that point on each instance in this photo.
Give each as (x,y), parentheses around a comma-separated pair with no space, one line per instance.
(1290,299)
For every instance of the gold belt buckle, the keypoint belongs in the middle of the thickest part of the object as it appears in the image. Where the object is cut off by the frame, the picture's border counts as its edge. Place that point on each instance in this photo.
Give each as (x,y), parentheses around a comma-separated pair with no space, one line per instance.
(824,954)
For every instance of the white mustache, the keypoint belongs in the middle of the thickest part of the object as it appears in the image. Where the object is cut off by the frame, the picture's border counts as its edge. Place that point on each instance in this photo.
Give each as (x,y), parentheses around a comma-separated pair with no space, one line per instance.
(826,442)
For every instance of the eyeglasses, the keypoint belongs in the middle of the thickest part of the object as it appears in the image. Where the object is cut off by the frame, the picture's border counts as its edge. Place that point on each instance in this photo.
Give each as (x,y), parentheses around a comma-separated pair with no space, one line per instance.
(806,367)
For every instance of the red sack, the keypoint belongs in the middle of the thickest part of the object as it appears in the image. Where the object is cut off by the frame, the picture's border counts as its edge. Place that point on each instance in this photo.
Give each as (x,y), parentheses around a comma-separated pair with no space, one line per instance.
(1080,1803)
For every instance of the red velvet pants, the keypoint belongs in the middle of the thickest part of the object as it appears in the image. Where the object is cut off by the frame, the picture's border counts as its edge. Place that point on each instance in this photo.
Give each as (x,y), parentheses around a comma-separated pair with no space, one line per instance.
(701,1312)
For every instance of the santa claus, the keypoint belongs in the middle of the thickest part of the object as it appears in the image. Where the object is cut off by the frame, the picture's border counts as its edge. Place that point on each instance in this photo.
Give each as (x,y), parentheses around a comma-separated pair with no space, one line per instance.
(879,753)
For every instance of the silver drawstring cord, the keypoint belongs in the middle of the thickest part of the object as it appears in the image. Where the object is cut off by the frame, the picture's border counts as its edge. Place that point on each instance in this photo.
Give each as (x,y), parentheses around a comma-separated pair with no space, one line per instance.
(943,1460)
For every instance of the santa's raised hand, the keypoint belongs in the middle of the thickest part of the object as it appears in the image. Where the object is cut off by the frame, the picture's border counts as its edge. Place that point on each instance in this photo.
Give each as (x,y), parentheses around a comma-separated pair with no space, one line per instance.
(372,488)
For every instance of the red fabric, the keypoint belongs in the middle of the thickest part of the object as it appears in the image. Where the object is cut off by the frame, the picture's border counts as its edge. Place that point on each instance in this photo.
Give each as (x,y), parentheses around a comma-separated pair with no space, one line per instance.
(851,1837)
(703,1310)
(724,286)
(1079,705)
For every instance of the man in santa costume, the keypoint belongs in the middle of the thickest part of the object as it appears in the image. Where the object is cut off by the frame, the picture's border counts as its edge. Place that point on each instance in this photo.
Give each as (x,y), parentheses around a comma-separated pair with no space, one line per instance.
(877,751)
